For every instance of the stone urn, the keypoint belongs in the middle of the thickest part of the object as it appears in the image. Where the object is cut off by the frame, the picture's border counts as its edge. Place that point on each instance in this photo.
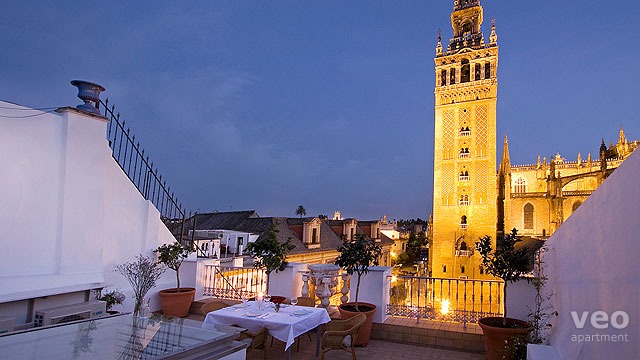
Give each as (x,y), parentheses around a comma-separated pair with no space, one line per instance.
(325,279)
(90,94)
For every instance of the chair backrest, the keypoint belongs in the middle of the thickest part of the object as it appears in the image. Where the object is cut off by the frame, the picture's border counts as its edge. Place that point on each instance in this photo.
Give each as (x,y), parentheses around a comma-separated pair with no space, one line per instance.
(306,301)
(212,306)
(355,322)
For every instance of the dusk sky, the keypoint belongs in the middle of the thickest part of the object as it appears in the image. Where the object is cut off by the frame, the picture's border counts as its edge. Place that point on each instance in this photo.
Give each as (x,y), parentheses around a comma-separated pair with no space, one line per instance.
(267,105)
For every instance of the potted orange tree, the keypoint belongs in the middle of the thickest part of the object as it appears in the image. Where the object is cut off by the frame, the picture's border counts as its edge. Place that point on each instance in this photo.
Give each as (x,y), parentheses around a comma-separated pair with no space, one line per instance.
(504,334)
(175,301)
(355,257)
(269,254)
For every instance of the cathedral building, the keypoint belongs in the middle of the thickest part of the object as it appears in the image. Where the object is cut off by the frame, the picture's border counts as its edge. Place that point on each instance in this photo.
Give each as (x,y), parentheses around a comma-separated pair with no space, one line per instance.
(470,198)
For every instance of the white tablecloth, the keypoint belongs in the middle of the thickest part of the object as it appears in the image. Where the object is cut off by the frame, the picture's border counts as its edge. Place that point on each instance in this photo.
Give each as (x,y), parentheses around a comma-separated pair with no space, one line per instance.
(283,325)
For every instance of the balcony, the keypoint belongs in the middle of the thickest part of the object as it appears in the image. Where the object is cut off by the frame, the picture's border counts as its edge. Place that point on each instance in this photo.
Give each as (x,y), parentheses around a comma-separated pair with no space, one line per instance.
(461,253)
(464,155)
(463,178)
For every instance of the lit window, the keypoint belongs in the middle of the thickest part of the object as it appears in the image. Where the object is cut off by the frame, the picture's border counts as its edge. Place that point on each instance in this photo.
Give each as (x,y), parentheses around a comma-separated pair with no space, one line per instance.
(520,186)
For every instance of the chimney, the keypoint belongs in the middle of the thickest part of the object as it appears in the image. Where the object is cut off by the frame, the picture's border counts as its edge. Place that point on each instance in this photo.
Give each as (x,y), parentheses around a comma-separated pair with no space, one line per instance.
(90,94)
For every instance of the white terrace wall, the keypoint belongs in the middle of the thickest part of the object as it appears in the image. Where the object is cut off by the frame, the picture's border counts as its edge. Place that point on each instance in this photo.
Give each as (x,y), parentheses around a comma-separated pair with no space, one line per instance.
(592,264)
(68,213)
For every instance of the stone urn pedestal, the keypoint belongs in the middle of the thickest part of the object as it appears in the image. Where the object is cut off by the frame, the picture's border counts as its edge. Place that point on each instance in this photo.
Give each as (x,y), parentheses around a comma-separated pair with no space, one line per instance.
(325,279)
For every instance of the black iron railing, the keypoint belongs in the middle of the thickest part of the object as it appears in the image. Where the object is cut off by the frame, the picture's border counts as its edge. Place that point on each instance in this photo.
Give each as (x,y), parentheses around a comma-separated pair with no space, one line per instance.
(141,171)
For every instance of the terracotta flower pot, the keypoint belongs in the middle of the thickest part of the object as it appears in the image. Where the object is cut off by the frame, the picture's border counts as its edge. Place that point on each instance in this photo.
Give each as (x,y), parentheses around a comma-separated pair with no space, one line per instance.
(500,342)
(347,310)
(176,303)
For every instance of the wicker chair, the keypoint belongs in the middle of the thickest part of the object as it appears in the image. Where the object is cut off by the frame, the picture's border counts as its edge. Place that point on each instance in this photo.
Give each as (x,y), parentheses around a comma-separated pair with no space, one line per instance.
(257,340)
(212,306)
(341,335)
(306,301)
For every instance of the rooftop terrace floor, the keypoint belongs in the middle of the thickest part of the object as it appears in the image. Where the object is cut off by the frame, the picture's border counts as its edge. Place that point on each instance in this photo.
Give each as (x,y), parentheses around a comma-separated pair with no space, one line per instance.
(378,349)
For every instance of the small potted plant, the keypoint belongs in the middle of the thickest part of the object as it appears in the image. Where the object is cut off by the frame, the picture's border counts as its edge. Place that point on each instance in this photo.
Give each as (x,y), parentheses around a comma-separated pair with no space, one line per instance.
(355,257)
(175,301)
(142,274)
(113,297)
(269,253)
(502,334)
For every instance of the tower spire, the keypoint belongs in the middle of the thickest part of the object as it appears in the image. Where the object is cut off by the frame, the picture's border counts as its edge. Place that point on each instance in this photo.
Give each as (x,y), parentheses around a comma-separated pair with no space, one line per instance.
(505,164)
(493,38)
(439,45)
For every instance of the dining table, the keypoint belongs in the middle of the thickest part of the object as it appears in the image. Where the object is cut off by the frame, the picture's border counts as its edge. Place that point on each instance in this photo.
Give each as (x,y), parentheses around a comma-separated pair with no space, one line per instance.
(285,325)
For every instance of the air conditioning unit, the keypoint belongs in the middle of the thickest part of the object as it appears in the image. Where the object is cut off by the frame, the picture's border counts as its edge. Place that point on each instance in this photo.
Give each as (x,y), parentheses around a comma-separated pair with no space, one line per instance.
(67,313)
(6,324)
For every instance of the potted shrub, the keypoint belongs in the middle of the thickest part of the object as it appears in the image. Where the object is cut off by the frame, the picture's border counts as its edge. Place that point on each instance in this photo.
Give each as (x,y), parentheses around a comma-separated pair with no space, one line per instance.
(269,254)
(113,297)
(502,334)
(142,274)
(355,257)
(175,301)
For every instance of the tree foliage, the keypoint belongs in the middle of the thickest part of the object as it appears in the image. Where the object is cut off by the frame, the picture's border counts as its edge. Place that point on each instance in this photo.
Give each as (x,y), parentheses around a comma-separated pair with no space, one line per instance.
(355,256)
(415,244)
(172,255)
(301,211)
(269,254)
(505,261)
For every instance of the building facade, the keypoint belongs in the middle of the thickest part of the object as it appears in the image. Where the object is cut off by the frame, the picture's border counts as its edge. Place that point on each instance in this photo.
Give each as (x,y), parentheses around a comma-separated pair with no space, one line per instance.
(464,181)
(471,199)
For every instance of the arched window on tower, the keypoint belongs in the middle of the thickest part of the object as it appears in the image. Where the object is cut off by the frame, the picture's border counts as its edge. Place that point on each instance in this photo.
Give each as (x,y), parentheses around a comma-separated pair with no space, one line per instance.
(452,76)
(465,73)
(463,246)
(520,186)
(464,176)
(463,222)
(464,153)
(487,70)
(528,216)
(476,76)
(464,200)
(443,78)
(466,28)
(575,206)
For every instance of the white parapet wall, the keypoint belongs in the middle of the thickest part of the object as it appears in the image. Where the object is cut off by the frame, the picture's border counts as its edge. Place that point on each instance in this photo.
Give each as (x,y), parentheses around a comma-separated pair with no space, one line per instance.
(69,214)
(374,289)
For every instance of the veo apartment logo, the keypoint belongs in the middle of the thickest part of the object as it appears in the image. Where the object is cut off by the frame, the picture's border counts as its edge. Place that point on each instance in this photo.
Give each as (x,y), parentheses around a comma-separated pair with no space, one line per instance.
(600,320)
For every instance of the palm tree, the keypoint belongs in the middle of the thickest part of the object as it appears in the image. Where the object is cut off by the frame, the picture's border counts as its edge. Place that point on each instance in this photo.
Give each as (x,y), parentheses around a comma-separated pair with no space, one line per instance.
(301,211)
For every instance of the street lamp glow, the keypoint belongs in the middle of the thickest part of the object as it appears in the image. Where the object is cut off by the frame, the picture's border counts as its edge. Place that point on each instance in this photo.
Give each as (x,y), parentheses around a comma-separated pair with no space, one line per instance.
(445,307)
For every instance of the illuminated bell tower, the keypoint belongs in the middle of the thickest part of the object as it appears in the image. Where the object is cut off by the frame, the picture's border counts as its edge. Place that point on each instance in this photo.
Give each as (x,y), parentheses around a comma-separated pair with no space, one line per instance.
(464,164)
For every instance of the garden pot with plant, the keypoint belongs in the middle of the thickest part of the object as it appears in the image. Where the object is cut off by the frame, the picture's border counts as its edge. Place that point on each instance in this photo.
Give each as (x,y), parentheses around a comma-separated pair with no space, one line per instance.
(356,256)
(175,301)
(111,298)
(504,334)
